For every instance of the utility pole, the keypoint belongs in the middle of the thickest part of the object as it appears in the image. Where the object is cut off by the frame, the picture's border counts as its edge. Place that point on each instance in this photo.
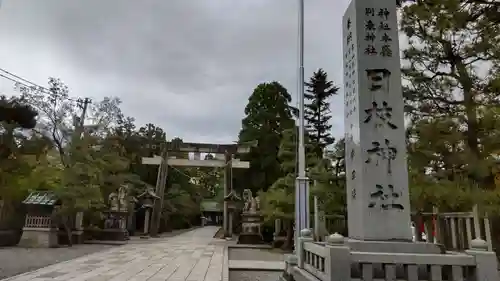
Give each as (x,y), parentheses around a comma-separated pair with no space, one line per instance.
(83,104)
(78,124)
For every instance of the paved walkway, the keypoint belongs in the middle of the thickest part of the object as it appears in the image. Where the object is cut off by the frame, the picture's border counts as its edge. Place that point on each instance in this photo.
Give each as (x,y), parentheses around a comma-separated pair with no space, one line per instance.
(188,257)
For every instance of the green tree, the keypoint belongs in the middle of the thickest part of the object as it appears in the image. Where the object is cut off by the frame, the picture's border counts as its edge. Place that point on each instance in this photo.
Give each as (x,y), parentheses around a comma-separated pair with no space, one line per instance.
(452,72)
(19,150)
(79,187)
(317,111)
(57,114)
(146,141)
(329,189)
(84,165)
(114,164)
(337,158)
(17,112)
(209,179)
(279,200)
(268,114)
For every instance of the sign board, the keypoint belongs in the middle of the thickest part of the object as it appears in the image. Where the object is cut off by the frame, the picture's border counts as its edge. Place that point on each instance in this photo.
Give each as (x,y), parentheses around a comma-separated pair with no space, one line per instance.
(237,164)
(207,163)
(151,160)
(209,148)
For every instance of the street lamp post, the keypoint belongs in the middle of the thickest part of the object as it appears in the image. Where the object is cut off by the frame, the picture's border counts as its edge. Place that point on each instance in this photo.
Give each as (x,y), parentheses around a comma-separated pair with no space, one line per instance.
(302,182)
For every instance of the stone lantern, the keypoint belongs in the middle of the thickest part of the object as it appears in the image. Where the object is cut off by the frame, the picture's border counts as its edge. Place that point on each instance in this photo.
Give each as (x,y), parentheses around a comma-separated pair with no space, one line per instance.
(147,201)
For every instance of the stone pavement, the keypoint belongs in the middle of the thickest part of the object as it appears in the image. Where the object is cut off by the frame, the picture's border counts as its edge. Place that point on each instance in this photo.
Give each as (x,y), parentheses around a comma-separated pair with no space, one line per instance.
(190,256)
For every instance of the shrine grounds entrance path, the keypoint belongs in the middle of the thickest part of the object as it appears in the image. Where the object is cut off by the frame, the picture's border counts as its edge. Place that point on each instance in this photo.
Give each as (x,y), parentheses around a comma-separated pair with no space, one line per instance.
(190,256)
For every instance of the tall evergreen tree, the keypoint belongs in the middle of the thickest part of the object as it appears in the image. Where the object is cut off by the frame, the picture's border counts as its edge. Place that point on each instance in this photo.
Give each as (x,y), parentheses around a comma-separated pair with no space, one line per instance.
(317,110)
(268,114)
(14,111)
(279,200)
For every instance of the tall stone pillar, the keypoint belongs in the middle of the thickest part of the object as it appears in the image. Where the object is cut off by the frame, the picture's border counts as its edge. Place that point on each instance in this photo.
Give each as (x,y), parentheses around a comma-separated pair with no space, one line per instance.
(230,230)
(377,177)
(316,217)
(79,221)
(277,227)
(146,221)
(77,236)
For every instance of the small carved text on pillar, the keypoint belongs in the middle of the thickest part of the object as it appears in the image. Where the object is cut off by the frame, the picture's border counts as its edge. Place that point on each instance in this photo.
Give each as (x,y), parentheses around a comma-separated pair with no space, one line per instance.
(353,177)
(348,137)
(387,152)
(377,21)
(349,70)
(385,198)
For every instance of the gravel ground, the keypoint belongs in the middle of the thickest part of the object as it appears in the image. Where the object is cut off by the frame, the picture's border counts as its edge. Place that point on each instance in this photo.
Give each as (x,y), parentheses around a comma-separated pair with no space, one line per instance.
(16,260)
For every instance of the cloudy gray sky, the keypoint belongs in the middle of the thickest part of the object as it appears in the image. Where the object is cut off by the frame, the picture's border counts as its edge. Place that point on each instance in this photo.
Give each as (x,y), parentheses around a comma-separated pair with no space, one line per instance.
(187,65)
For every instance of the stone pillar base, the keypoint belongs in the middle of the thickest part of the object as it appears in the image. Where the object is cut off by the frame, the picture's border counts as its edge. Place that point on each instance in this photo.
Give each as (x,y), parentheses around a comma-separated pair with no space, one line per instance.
(39,237)
(395,247)
(78,237)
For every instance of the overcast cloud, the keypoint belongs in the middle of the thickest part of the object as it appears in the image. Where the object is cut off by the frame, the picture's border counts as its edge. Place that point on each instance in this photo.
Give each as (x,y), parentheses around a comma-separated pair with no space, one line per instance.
(186,65)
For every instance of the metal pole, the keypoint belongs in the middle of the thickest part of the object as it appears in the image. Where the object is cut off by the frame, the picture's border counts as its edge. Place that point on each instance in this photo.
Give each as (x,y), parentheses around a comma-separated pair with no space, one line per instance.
(302,182)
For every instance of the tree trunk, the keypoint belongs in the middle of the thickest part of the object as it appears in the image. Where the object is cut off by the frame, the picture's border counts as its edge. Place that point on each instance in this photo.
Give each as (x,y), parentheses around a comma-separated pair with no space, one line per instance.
(288,245)
(467,83)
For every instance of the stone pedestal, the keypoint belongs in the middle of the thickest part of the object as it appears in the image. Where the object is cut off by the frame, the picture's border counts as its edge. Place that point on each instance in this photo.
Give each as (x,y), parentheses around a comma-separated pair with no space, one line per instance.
(39,237)
(395,247)
(251,229)
(377,177)
(115,226)
(78,237)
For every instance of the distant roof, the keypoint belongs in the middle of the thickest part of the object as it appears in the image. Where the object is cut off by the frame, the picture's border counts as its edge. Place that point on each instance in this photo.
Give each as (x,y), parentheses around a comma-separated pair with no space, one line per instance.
(148,192)
(41,198)
(210,206)
(232,196)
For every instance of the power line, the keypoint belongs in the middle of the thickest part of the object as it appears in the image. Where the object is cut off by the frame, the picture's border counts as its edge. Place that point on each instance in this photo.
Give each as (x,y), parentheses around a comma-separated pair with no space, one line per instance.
(18,80)
(8,78)
(19,77)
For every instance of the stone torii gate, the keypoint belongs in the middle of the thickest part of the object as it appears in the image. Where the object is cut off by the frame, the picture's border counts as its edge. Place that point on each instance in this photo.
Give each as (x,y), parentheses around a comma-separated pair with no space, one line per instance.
(228,150)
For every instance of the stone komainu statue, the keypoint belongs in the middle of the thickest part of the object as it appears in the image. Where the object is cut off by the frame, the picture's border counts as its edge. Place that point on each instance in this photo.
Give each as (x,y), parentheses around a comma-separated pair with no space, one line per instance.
(113,201)
(252,204)
(247,197)
(118,200)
